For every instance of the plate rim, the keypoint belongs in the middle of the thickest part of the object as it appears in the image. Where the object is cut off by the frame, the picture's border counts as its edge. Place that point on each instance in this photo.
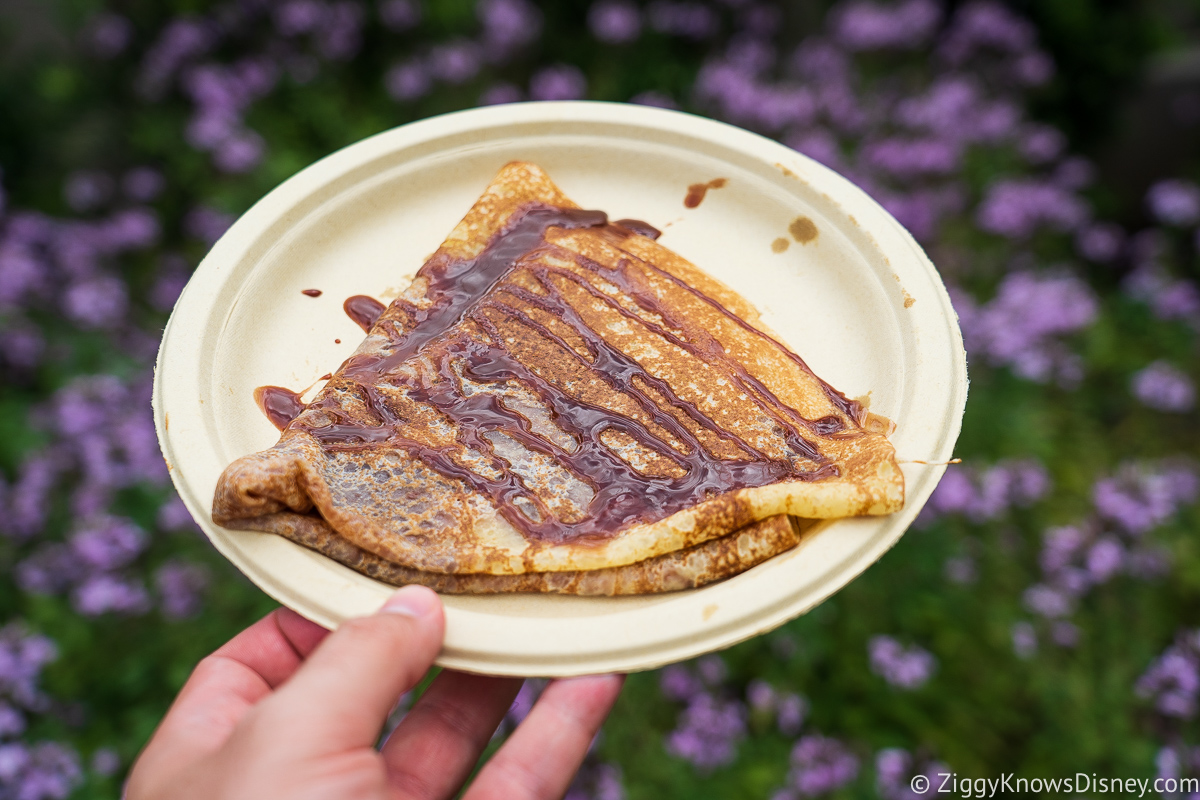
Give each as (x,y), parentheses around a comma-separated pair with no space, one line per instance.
(283,202)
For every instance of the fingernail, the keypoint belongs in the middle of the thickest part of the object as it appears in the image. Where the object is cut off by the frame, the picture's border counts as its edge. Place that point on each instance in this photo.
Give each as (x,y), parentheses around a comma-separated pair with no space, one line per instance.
(411,601)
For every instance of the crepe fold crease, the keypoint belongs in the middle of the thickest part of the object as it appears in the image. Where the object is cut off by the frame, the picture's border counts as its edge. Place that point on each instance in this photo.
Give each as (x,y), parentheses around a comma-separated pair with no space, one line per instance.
(558,403)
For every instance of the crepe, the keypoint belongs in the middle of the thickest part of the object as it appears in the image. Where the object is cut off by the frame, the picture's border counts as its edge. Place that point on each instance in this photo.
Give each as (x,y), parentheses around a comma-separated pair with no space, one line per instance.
(555,393)
(689,568)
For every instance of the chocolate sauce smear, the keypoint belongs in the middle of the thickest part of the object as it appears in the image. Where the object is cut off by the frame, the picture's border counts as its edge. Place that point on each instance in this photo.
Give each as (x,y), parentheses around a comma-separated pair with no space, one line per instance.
(459,337)
(312,292)
(363,310)
(697,191)
(280,405)
(637,226)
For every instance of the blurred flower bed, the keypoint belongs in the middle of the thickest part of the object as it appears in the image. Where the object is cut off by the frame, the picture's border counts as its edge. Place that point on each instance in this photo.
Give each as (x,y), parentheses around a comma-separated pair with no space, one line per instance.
(1041,618)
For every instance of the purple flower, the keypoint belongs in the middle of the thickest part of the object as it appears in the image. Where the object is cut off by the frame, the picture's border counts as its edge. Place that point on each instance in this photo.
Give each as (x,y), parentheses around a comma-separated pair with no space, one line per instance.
(654,100)
(1024,640)
(906,668)
(1101,242)
(207,224)
(107,543)
(22,657)
(954,107)
(614,21)
(400,15)
(1074,173)
(131,229)
(760,696)
(790,711)
(909,158)
(712,670)
(708,732)
(683,19)
(108,34)
(180,586)
(455,62)
(143,184)
(1033,69)
(12,721)
(523,703)
(173,515)
(985,25)
(407,81)
(788,708)
(21,347)
(105,761)
(960,570)
(340,37)
(558,82)
(1105,558)
(596,781)
(1041,144)
(45,771)
(86,190)
(1065,634)
(983,494)
(169,283)
(50,570)
(1163,387)
(1173,679)
(98,302)
(864,25)
(1169,299)
(894,770)
(820,765)
(181,41)
(678,683)
(1019,326)
(501,93)
(296,17)
(1047,601)
(1141,497)
(104,593)
(1060,547)
(818,145)
(1175,202)
(508,25)
(1018,208)
(240,152)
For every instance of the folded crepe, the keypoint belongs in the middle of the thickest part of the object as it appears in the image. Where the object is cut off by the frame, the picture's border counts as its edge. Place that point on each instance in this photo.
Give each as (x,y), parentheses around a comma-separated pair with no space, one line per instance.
(559,403)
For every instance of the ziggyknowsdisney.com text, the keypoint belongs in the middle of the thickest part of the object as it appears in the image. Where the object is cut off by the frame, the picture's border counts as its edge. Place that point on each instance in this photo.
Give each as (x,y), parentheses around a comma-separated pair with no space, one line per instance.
(952,783)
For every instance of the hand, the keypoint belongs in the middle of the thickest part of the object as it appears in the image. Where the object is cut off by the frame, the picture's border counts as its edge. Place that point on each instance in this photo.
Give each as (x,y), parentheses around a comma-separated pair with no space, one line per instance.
(288,710)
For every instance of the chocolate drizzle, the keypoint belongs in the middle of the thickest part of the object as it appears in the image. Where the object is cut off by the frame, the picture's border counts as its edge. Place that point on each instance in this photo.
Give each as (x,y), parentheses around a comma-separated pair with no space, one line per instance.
(463,335)
(637,226)
(280,405)
(363,310)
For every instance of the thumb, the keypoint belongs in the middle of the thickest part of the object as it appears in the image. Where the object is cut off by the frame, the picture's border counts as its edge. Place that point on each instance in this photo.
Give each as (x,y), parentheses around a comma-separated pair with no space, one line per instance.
(342,695)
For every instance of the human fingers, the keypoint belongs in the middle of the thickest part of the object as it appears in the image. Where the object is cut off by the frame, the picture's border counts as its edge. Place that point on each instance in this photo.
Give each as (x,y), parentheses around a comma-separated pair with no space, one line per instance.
(543,754)
(436,746)
(222,688)
(342,695)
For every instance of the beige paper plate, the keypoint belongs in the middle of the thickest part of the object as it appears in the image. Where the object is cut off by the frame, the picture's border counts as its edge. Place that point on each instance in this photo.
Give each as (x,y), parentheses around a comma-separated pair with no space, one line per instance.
(860,302)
